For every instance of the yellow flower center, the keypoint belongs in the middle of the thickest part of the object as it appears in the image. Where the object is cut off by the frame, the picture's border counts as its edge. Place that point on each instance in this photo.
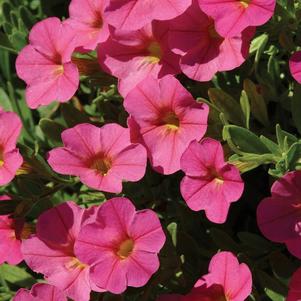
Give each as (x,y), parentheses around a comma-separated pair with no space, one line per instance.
(74,263)
(245,3)
(27,230)
(1,158)
(155,52)
(101,165)
(171,121)
(125,249)
(59,70)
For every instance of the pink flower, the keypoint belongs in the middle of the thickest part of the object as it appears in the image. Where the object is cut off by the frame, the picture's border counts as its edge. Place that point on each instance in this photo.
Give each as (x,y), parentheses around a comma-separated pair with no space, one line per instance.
(204,52)
(10,158)
(45,64)
(167,119)
(233,16)
(132,55)
(121,246)
(227,280)
(294,293)
(40,292)
(134,14)
(295,66)
(278,216)
(88,23)
(51,253)
(210,183)
(12,231)
(101,157)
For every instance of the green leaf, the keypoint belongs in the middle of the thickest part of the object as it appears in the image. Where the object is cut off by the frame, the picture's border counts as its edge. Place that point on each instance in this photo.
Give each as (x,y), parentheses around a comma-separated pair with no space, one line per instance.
(5,101)
(226,105)
(52,130)
(284,139)
(257,102)
(271,145)
(172,229)
(6,44)
(16,275)
(242,140)
(271,284)
(223,240)
(254,241)
(293,157)
(245,107)
(273,295)
(73,116)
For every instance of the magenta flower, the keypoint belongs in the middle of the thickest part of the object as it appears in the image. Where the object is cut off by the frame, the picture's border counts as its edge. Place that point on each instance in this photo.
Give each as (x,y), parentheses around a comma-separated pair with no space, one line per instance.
(295,66)
(294,293)
(210,183)
(121,246)
(86,19)
(40,291)
(232,17)
(227,280)
(10,158)
(167,119)
(204,52)
(45,64)
(50,252)
(12,231)
(132,55)
(278,216)
(101,157)
(134,14)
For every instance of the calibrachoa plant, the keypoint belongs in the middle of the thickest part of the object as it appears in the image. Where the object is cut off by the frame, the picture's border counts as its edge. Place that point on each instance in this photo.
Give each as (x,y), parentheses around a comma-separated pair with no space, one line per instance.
(150,150)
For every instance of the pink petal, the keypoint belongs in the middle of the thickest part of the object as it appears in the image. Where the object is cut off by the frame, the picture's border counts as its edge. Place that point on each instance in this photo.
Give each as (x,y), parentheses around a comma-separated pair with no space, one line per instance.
(10,129)
(295,287)
(12,162)
(39,292)
(127,14)
(142,265)
(295,66)
(200,156)
(64,219)
(147,231)
(130,163)
(232,17)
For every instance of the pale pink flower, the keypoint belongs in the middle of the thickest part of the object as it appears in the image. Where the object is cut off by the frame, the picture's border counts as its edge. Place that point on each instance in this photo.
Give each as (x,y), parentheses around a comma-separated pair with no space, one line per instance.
(133,55)
(134,14)
(101,157)
(204,52)
(86,17)
(10,158)
(121,246)
(295,66)
(166,118)
(40,292)
(278,216)
(233,16)
(226,280)
(210,183)
(51,251)
(45,64)
(294,293)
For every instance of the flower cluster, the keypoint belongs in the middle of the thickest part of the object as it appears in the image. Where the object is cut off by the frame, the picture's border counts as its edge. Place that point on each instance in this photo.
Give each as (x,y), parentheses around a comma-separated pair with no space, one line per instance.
(159,53)
(103,248)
